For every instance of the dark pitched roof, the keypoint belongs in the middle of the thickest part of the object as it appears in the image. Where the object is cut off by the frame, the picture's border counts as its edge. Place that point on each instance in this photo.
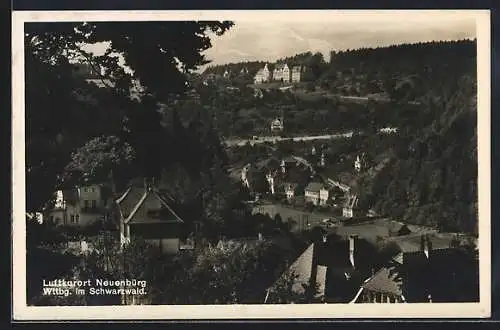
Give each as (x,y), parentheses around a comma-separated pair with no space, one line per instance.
(314,186)
(412,243)
(71,196)
(289,159)
(280,66)
(384,281)
(351,201)
(290,185)
(302,269)
(152,207)
(129,200)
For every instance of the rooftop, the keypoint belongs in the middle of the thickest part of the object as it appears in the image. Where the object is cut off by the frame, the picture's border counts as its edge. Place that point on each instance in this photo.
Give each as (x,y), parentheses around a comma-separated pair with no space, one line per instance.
(314,186)
(384,281)
(141,205)
(412,243)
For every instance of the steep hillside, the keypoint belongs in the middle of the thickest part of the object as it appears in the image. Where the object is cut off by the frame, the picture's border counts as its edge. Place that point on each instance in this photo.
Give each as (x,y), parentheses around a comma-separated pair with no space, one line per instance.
(432,179)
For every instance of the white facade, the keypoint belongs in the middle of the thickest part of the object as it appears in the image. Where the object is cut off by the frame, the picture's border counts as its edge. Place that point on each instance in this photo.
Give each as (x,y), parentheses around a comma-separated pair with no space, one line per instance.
(277,125)
(357,164)
(351,204)
(263,75)
(322,160)
(281,73)
(91,197)
(244,176)
(270,180)
(347,212)
(312,196)
(85,210)
(290,192)
(324,194)
(286,74)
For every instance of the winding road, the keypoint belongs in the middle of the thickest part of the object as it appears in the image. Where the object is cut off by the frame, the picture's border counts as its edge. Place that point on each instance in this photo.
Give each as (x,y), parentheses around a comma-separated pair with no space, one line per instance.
(274,139)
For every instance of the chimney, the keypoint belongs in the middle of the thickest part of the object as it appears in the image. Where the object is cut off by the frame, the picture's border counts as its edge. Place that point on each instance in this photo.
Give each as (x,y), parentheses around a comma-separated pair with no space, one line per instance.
(314,270)
(426,245)
(352,239)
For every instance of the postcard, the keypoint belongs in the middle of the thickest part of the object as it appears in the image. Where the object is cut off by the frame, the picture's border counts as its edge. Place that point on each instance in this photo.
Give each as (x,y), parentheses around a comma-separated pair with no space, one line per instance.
(201,165)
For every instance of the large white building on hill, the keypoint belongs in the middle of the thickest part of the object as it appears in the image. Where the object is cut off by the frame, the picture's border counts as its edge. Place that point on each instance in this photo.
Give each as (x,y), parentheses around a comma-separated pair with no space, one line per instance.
(263,75)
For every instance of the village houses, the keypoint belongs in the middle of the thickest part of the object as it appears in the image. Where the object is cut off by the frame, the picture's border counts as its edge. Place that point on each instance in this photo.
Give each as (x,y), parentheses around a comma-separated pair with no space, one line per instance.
(316,193)
(431,272)
(334,267)
(281,73)
(291,190)
(350,208)
(80,206)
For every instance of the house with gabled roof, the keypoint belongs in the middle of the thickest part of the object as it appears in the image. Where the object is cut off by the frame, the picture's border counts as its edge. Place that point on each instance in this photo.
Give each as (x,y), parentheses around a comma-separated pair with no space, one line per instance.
(244,70)
(422,268)
(350,208)
(146,212)
(313,192)
(263,75)
(281,73)
(291,190)
(80,206)
(330,268)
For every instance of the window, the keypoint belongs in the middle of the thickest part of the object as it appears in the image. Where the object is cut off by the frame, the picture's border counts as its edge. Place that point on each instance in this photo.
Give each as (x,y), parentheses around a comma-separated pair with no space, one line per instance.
(93,204)
(85,189)
(72,218)
(93,189)
(77,218)
(86,203)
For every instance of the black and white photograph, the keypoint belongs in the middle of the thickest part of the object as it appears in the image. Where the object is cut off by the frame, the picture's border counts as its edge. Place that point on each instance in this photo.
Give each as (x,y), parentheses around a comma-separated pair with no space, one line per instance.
(251,164)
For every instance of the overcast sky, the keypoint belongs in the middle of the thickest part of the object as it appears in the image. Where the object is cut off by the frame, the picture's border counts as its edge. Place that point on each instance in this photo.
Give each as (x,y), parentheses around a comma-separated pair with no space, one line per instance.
(270,35)
(268,40)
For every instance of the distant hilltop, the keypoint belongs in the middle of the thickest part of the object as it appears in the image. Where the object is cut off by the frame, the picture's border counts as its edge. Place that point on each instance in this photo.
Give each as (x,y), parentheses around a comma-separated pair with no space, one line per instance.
(316,62)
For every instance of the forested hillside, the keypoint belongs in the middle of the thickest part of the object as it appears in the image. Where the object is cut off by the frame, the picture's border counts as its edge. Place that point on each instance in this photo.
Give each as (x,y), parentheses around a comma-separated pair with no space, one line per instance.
(431,177)
(408,70)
